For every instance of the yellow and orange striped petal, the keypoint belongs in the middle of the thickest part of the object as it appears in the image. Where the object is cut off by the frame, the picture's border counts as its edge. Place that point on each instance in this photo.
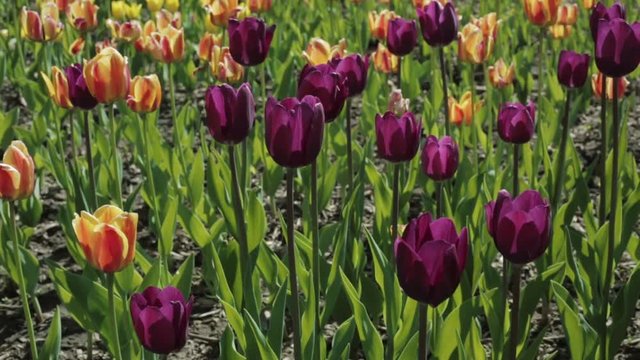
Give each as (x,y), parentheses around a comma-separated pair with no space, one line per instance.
(145,93)
(58,88)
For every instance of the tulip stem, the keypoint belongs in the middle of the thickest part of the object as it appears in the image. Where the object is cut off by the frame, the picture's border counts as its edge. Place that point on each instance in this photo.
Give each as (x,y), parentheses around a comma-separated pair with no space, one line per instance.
(177,131)
(515,308)
(540,63)
(293,277)
(604,149)
(443,71)
(349,146)
(89,345)
(92,174)
(315,243)
(395,209)
(112,313)
(562,151)
(423,349)
(114,145)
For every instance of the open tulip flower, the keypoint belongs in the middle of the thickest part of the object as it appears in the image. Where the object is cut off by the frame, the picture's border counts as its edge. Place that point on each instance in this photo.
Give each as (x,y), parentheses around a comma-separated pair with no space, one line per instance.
(206,46)
(107,237)
(516,122)
(68,88)
(473,46)
(397,137)
(145,94)
(17,172)
(167,45)
(596,86)
(461,112)
(259,5)
(321,52)
(83,15)
(601,12)
(617,47)
(220,11)
(573,69)
(58,88)
(230,113)
(384,61)
(43,26)
(541,12)
(567,14)
(379,23)
(439,23)
(402,36)
(329,86)
(354,69)
(107,76)
(250,40)
(440,158)
(501,75)
(128,31)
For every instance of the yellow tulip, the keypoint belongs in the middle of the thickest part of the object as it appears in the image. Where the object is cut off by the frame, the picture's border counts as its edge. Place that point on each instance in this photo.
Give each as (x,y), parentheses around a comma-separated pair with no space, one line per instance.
(58,88)
(384,61)
(461,112)
(17,172)
(320,51)
(500,75)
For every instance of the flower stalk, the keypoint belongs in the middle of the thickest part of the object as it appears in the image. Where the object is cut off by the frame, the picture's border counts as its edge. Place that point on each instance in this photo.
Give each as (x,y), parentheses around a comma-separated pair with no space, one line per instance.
(293,277)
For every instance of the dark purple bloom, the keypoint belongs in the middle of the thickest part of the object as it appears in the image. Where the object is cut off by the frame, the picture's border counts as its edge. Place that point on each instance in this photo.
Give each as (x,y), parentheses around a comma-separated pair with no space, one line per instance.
(78,90)
(230,112)
(617,47)
(398,138)
(327,85)
(161,318)
(402,36)
(520,226)
(439,24)
(516,122)
(354,68)
(430,258)
(601,12)
(573,68)
(294,130)
(440,158)
(249,40)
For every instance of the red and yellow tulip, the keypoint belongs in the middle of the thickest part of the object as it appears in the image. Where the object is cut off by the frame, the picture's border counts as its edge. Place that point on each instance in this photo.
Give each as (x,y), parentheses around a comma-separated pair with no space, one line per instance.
(259,5)
(83,15)
(223,67)
(473,46)
(220,11)
(379,23)
(76,46)
(107,76)
(43,26)
(596,86)
(167,45)
(58,87)
(17,172)
(541,12)
(567,14)
(127,31)
(207,43)
(384,61)
(500,75)
(145,94)
(461,112)
(319,51)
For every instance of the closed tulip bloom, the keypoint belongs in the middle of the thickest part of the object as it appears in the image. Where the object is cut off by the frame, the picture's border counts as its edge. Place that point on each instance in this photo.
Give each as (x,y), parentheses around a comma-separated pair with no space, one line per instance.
(43,26)
(172,5)
(294,130)
(488,24)
(133,11)
(161,318)
(596,86)
(560,32)
(223,67)
(461,112)
(384,61)
(430,258)
(250,40)
(519,226)
(588,4)
(83,15)
(118,10)
(397,137)
(573,69)
(473,46)
(327,85)
(541,12)
(107,76)
(379,23)
(17,172)
(259,5)
(567,14)
(439,23)
(154,5)
(76,46)
(617,47)
(206,45)
(167,45)
(516,122)
(230,112)
(78,91)
(58,88)
(166,18)
(321,52)
(601,12)
(107,238)
(398,104)
(501,75)
(127,31)
(402,36)
(220,11)
(354,69)
(145,94)
(440,158)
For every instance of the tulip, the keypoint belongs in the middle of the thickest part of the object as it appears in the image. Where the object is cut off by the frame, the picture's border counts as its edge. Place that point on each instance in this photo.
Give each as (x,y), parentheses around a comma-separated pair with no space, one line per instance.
(45,26)
(402,36)
(167,45)
(320,52)
(62,4)
(206,46)
(58,88)
(596,85)
(119,10)
(230,112)
(567,14)
(249,40)
(133,11)
(165,19)
(588,4)
(107,76)
(154,5)
(473,46)
(294,130)
(145,94)
(397,137)
(423,3)
(354,69)
(541,12)
(560,31)
(143,43)
(161,318)
(500,75)
(430,258)
(384,61)
(462,112)
(17,172)
(520,226)
(76,46)
(397,104)
(172,5)
(259,5)
(489,24)
(601,12)
(78,90)
(617,47)
(379,23)
(220,11)
(516,122)
(223,67)
(127,31)
(83,15)
(573,69)
(327,85)
(439,23)
(107,238)
(440,158)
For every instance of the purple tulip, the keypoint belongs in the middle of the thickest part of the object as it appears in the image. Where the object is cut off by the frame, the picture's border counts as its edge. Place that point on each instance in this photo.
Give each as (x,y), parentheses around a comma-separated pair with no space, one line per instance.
(617,47)
(327,85)
(430,258)
(516,122)
(440,158)
(398,138)
(294,130)
(601,12)
(78,90)
(573,69)
(520,226)
(230,112)
(439,24)
(354,68)
(402,36)
(161,318)
(249,40)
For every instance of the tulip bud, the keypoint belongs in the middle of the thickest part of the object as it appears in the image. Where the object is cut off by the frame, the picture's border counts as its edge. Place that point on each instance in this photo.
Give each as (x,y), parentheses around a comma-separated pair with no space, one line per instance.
(17,172)
(167,45)
(223,67)
(567,14)
(83,15)
(249,40)
(145,94)
(559,32)
(161,318)
(294,130)
(439,23)
(107,238)
(462,112)
(520,226)
(379,23)
(573,69)
(440,158)
(617,47)
(354,69)
(596,85)
(384,61)
(118,10)
(259,5)
(154,5)
(541,12)
(397,137)
(76,46)
(430,259)
(132,11)
(230,112)
(320,52)
(516,122)
(164,19)
(473,46)
(402,36)
(220,11)
(107,76)
(327,85)
(58,88)
(500,75)
(45,26)
(601,12)
(588,4)
(172,5)
(397,104)
(207,43)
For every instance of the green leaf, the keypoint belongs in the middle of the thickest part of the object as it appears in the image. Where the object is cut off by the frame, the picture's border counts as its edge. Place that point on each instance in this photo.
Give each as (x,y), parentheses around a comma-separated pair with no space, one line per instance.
(51,348)
(255,339)
(182,277)
(583,338)
(277,320)
(342,339)
(623,310)
(255,219)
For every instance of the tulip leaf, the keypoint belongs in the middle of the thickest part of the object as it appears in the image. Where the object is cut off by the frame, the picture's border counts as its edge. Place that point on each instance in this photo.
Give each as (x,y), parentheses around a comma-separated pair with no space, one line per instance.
(277,320)
(257,341)
(51,348)
(182,278)
(228,346)
(169,225)
(237,323)
(342,339)
(255,219)
(623,310)
(583,339)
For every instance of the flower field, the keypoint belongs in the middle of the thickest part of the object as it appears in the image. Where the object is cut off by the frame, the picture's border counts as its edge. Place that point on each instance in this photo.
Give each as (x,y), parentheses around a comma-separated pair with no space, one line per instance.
(319,179)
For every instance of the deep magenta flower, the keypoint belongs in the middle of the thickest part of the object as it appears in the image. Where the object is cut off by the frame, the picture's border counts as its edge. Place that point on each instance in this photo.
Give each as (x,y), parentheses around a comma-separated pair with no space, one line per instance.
(439,23)
(327,85)
(601,12)
(249,40)
(520,226)
(440,158)
(397,137)
(402,36)
(161,318)
(78,91)
(230,112)
(573,68)
(354,68)
(617,47)
(516,122)
(294,130)
(430,258)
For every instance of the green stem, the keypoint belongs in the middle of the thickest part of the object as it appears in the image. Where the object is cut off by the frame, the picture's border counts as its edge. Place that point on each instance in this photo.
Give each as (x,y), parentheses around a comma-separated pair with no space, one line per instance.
(474,132)
(92,174)
(293,277)
(423,349)
(89,345)
(395,209)
(113,315)
(317,256)
(540,63)
(177,130)
(114,146)
(443,72)
(604,149)
(349,145)
(562,151)
(515,307)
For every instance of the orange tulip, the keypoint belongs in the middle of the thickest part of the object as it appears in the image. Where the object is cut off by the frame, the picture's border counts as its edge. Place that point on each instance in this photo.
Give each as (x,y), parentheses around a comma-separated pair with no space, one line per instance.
(489,24)
(500,75)
(165,18)
(384,61)
(145,93)
(107,238)
(462,112)
(62,5)
(259,5)
(77,46)
(107,76)
(320,52)
(45,26)
(588,4)
(17,172)
(58,88)
(558,31)
(220,11)
(205,48)
(167,45)
(473,46)
(596,85)
(128,31)
(83,15)
(567,14)
(541,12)
(379,23)
(223,67)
